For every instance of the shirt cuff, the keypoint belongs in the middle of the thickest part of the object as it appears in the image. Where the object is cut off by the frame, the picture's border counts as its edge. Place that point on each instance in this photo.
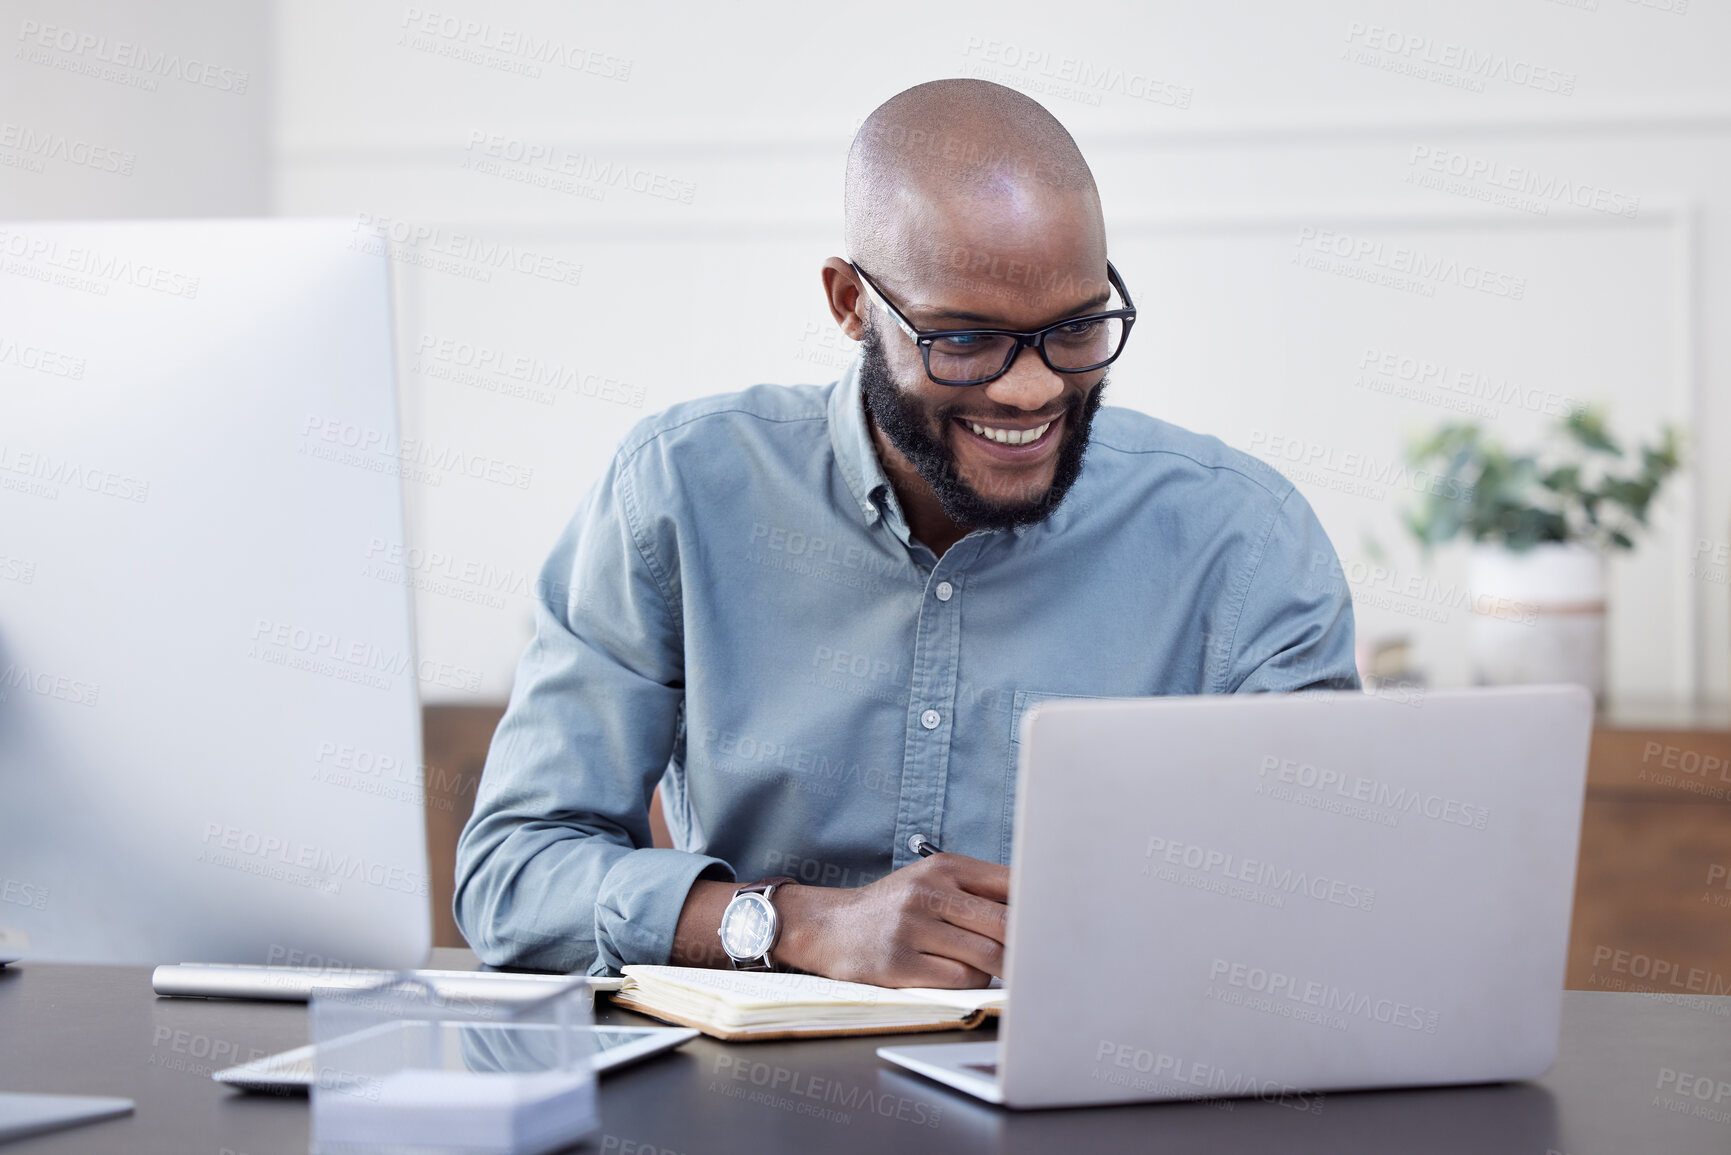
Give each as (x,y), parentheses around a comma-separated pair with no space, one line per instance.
(639,902)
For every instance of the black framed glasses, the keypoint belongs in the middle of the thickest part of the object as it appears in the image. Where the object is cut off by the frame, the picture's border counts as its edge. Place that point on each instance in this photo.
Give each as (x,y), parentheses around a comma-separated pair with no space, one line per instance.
(959,357)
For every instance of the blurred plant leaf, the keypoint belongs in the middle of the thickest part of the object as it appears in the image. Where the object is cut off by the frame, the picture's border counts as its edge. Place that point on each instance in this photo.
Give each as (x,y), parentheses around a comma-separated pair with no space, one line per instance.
(1486,493)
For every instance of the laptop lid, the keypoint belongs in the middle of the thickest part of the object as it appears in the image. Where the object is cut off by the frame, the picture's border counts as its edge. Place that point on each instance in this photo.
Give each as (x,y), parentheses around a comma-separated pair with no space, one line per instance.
(1281,895)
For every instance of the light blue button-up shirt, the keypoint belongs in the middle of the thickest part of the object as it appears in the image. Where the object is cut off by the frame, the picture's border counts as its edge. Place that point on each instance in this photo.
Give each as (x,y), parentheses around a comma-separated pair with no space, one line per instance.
(739,612)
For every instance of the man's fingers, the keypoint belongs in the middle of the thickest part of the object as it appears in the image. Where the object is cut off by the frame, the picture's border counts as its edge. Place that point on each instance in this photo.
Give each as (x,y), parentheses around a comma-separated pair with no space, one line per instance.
(970,912)
(975,875)
(975,951)
(986,879)
(939,971)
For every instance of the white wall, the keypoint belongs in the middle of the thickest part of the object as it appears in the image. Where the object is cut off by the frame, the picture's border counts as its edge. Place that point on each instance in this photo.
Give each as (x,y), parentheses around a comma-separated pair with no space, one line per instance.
(116,109)
(1222,134)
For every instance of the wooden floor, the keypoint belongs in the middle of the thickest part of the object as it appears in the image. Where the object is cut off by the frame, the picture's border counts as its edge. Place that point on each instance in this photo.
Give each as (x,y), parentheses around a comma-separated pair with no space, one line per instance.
(1652,897)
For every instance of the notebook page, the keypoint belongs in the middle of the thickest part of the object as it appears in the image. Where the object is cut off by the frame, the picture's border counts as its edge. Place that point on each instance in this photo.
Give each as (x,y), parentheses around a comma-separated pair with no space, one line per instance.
(767,990)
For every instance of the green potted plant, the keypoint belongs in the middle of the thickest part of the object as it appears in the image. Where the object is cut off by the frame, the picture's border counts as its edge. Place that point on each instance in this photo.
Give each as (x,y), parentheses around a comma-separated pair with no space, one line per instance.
(1542,524)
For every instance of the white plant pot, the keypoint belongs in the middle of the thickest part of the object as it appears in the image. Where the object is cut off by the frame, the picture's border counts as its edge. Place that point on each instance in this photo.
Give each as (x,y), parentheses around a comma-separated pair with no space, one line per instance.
(1538,616)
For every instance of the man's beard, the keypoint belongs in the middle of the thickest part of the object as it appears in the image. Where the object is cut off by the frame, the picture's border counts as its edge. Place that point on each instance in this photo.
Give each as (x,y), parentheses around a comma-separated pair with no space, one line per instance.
(906,423)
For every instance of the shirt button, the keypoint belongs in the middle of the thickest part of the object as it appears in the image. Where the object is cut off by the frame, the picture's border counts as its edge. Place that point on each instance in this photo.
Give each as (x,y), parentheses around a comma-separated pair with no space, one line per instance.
(930,719)
(945,589)
(871,513)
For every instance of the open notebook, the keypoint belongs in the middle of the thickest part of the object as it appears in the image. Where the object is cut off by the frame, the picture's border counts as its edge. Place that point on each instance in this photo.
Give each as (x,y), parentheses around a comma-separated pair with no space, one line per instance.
(734,1005)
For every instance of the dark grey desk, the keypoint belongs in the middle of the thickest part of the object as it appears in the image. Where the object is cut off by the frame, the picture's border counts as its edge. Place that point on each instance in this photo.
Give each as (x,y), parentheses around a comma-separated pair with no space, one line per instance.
(100,1031)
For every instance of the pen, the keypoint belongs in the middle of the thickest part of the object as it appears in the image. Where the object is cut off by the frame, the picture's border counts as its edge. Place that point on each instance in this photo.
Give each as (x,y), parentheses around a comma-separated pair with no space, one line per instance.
(923,846)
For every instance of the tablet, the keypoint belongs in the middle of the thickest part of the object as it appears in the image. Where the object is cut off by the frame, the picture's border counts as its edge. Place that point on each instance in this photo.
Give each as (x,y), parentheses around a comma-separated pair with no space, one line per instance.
(293,1072)
(22,1115)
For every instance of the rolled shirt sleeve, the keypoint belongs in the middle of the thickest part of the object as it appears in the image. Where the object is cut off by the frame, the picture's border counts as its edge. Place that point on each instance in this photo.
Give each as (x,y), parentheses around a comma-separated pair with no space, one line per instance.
(1295,626)
(556,868)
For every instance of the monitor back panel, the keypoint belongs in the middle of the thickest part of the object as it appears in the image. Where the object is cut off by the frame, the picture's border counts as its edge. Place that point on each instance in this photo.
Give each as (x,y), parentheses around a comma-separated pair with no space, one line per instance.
(1284,895)
(209,734)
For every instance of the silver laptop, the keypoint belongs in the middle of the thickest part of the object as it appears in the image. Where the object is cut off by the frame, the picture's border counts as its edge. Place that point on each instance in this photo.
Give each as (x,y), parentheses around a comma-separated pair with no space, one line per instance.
(1279,896)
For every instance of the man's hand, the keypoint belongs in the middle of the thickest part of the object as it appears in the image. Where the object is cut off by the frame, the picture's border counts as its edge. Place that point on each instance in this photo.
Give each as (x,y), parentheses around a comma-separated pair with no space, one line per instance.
(938,922)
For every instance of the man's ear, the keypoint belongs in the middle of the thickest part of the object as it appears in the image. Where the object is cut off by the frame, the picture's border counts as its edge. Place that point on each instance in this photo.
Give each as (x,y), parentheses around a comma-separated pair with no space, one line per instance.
(847,302)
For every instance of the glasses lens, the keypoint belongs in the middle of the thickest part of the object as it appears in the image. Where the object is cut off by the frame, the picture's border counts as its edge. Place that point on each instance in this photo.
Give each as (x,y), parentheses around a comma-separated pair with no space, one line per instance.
(969,356)
(1085,344)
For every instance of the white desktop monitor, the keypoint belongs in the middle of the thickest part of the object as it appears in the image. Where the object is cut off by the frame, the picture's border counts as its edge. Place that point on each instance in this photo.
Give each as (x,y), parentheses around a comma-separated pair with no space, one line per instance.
(209,730)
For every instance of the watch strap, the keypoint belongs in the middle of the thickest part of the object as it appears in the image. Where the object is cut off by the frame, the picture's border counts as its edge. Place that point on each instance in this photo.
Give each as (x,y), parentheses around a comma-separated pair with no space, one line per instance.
(765,887)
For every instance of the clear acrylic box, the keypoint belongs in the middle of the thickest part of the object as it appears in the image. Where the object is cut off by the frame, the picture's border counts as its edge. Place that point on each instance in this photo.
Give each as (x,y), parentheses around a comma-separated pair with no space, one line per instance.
(404,1071)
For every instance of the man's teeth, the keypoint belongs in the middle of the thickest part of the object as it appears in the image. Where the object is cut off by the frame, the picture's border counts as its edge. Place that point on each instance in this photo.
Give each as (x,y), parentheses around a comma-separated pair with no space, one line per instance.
(1010,436)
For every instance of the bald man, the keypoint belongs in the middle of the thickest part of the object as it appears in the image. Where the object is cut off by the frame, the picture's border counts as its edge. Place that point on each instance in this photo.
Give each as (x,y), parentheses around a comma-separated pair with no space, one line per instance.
(815,614)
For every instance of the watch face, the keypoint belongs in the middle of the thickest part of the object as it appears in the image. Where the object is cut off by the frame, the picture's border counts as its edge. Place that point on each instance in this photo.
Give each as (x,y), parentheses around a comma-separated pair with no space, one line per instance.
(748,926)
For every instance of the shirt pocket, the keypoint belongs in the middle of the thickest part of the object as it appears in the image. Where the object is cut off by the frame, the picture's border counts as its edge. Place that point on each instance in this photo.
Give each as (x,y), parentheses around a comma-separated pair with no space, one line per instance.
(1020,703)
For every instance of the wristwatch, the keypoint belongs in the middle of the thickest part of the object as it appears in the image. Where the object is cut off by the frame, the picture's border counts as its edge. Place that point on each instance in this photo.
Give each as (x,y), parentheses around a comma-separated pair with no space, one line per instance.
(750,926)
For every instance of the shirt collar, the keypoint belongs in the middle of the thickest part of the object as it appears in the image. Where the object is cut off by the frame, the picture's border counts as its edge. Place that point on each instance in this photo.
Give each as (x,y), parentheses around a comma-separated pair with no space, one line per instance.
(850,436)
(857,455)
